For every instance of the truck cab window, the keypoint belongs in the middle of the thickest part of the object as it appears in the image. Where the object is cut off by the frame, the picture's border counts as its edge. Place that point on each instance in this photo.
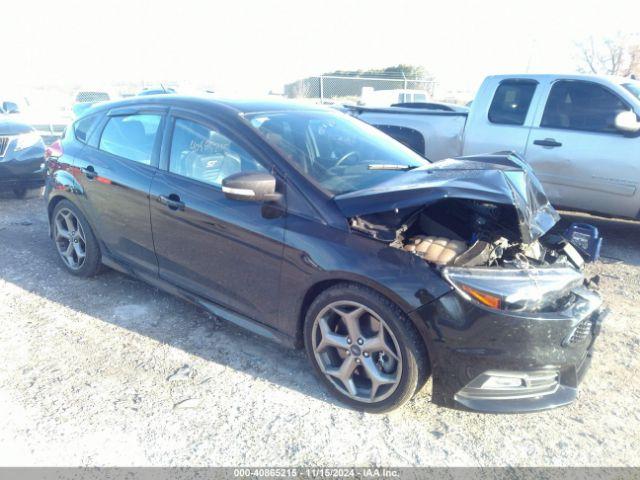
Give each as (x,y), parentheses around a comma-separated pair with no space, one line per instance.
(579,105)
(511,102)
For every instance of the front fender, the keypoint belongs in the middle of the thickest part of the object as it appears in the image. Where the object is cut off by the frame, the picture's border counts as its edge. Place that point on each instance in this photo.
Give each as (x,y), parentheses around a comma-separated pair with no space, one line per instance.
(316,256)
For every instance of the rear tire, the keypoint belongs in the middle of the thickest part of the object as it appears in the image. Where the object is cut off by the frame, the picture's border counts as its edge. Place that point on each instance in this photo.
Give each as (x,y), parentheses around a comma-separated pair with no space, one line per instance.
(20,192)
(368,370)
(75,242)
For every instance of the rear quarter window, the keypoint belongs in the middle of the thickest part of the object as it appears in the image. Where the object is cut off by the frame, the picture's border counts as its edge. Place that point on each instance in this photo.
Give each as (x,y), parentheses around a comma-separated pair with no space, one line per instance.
(131,137)
(511,102)
(82,128)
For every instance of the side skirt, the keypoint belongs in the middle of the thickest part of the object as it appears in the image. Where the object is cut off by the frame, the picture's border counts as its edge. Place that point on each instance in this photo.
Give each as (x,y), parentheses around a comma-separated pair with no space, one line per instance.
(237,319)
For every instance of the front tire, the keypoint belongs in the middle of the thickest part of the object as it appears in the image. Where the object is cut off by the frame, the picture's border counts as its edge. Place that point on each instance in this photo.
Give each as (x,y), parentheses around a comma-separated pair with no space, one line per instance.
(74,240)
(364,348)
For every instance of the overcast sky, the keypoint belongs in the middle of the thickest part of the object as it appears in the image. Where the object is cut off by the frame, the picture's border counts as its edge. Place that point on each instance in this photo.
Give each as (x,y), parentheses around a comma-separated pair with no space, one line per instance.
(249,47)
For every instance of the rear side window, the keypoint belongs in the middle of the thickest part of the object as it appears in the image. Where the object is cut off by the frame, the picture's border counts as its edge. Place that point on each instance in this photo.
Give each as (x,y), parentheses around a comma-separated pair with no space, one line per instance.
(578,105)
(82,128)
(511,102)
(131,137)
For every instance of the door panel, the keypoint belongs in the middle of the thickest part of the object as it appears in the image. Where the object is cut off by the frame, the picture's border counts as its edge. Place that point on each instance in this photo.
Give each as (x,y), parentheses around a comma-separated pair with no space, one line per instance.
(578,155)
(588,171)
(223,250)
(116,193)
(220,249)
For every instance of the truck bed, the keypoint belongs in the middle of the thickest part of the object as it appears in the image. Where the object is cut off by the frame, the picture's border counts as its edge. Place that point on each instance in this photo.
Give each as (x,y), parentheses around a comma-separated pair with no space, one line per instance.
(434,134)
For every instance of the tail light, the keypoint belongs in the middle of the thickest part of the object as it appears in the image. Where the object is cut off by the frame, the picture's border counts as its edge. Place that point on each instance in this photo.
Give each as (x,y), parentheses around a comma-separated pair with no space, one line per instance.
(53,151)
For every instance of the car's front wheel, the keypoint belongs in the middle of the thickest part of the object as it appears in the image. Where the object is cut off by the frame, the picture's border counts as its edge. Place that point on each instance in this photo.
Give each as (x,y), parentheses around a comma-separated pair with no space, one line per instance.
(364,348)
(75,242)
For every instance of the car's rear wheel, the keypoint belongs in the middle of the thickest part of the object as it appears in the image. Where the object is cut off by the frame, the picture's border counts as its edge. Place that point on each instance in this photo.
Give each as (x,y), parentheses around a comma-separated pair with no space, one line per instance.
(20,192)
(364,348)
(75,242)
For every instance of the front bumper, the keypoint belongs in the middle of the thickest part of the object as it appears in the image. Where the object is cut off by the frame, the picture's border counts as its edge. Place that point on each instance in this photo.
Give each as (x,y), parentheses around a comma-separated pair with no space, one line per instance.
(506,362)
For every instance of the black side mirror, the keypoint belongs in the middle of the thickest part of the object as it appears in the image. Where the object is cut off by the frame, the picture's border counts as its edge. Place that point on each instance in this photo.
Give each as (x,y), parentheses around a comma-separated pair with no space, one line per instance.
(10,107)
(251,186)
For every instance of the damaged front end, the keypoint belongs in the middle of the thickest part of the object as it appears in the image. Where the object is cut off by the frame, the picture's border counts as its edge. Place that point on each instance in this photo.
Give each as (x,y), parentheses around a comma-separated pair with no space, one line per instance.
(484,221)
(517,334)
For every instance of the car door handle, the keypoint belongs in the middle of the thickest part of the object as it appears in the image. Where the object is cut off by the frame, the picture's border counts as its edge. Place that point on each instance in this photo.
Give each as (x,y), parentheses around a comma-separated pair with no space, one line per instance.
(89,172)
(547,142)
(172,201)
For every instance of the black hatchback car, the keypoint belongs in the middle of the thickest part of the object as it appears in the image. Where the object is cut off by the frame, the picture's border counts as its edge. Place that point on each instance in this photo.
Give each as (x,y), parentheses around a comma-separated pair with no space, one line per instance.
(313,229)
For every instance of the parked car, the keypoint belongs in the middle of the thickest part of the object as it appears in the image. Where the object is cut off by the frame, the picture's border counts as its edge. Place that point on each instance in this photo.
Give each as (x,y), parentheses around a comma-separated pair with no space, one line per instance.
(46,119)
(580,133)
(9,107)
(21,157)
(309,227)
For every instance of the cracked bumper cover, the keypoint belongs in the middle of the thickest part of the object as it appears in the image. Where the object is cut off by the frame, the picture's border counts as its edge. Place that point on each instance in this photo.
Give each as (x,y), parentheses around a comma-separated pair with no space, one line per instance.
(506,362)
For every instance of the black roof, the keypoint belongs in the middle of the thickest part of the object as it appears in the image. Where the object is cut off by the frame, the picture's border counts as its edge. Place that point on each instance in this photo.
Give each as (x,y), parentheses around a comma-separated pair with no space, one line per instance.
(240,106)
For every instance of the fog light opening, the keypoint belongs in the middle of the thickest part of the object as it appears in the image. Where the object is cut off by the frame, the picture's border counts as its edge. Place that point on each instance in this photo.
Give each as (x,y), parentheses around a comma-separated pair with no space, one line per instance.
(507,385)
(504,382)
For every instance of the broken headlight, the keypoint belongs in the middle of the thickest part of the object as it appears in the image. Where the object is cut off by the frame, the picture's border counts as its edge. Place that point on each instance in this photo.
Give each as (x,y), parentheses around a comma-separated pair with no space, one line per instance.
(525,290)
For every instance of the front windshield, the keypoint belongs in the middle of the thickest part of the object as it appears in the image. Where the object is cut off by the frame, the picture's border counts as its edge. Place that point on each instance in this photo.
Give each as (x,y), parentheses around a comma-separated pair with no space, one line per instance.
(340,153)
(634,88)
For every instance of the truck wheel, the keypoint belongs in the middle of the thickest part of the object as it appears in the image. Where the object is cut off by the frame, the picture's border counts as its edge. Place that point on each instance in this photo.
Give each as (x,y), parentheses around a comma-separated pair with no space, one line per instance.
(75,242)
(364,348)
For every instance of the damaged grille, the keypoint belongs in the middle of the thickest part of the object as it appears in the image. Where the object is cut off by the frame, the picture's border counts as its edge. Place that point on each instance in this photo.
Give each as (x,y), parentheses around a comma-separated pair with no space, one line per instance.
(4,141)
(581,332)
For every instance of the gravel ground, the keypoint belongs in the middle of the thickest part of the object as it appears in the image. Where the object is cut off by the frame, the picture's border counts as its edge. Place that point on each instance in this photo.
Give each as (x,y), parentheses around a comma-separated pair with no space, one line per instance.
(110,371)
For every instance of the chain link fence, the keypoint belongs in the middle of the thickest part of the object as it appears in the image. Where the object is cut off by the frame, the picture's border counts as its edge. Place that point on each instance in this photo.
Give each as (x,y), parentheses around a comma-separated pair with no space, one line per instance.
(343,88)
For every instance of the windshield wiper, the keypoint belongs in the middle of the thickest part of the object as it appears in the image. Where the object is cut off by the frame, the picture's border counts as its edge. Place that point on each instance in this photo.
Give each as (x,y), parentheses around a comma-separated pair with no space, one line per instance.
(391,167)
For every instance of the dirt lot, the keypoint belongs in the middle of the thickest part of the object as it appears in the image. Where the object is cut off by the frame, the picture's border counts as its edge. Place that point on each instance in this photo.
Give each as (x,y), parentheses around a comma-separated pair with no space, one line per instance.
(110,371)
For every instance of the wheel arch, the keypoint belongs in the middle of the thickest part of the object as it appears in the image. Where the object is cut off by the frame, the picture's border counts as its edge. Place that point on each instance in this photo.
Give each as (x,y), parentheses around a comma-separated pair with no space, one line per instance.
(324,284)
(53,202)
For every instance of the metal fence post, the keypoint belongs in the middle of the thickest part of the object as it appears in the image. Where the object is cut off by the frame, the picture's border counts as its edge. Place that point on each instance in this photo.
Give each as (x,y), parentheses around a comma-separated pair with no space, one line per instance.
(321,89)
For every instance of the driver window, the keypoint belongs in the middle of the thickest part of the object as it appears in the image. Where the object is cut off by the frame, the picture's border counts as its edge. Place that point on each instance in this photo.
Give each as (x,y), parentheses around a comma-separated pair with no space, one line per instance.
(206,155)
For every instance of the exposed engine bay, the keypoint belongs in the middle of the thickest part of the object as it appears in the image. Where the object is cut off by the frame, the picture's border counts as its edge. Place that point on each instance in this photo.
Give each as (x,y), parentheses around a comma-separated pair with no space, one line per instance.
(466,233)
(485,223)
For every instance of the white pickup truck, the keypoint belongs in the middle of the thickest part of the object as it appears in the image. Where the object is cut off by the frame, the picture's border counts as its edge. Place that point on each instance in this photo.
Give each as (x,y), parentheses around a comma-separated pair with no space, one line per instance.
(580,133)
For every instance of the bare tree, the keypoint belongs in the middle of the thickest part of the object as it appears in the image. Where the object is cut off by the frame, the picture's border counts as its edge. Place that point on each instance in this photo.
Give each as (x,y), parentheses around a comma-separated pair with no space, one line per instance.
(619,55)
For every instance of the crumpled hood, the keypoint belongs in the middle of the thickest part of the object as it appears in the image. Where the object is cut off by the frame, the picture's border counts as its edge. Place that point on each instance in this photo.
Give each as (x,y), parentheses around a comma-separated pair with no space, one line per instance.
(501,178)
